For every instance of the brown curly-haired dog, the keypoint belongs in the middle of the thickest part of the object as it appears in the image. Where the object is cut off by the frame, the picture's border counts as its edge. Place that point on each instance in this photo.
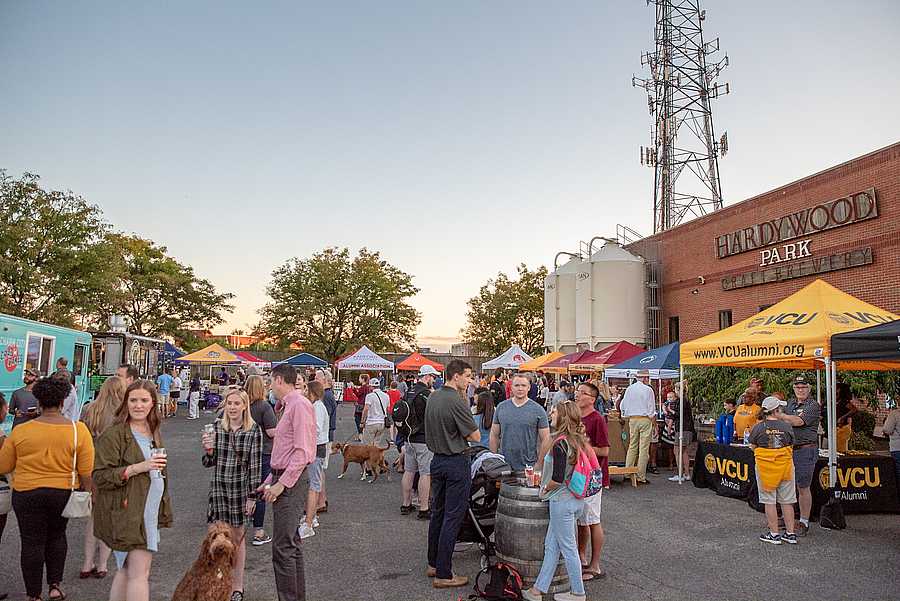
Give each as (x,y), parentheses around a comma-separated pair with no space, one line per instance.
(209,579)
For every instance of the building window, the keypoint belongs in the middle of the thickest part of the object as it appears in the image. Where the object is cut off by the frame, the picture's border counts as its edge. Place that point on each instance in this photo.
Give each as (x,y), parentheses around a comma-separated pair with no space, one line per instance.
(39,353)
(764,307)
(674,334)
(724,319)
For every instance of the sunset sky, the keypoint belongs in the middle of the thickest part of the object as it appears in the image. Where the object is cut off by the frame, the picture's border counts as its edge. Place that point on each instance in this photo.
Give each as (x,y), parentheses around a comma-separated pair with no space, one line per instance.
(457,138)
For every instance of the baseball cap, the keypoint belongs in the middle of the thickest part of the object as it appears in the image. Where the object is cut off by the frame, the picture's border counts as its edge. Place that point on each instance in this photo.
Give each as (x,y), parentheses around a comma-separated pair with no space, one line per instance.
(32,372)
(427,370)
(375,382)
(772,402)
(800,381)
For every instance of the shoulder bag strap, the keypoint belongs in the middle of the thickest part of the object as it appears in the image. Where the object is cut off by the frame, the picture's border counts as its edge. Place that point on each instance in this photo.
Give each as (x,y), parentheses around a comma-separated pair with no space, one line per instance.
(381,402)
(74,454)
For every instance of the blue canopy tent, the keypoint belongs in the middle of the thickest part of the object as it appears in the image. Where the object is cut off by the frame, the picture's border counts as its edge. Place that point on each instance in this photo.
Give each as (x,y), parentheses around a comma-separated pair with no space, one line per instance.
(662,363)
(172,352)
(303,360)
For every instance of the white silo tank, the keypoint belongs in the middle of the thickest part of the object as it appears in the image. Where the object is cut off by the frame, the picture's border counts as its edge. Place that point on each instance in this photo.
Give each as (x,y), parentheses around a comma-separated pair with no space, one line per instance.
(559,307)
(610,298)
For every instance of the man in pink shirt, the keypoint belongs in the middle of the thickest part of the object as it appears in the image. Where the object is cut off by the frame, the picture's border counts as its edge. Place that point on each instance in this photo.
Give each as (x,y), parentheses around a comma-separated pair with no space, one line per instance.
(293,448)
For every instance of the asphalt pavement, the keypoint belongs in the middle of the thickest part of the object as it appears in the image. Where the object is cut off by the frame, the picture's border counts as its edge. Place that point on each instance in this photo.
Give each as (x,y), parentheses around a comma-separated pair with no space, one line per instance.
(663,541)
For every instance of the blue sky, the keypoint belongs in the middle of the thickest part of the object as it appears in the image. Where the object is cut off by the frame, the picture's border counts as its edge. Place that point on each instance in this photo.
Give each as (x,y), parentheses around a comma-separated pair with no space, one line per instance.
(457,138)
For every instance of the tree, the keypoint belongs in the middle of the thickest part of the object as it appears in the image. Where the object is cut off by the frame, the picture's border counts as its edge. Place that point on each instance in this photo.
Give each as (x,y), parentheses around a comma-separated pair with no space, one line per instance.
(508,311)
(332,303)
(54,262)
(159,295)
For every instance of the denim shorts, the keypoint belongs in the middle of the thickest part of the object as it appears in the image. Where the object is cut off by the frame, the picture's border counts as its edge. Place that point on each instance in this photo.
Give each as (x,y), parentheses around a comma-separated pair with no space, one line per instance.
(805,465)
(316,472)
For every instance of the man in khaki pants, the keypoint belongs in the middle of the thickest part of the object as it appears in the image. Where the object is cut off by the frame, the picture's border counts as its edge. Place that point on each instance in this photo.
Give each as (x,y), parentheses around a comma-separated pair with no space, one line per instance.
(639,408)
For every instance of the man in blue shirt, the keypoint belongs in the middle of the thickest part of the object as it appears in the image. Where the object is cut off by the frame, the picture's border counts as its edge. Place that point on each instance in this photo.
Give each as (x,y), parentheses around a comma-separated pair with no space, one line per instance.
(164,385)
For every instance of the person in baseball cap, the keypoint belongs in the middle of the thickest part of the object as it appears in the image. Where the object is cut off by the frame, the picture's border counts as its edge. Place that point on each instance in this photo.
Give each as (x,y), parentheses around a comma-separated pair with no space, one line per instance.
(772,441)
(427,370)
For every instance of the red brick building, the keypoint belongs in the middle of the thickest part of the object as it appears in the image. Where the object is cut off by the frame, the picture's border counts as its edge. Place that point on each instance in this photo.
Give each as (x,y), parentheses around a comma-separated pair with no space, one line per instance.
(841,225)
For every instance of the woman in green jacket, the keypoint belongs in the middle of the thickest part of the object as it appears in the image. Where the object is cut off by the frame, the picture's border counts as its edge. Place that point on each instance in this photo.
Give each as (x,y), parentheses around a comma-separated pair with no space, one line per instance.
(132,500)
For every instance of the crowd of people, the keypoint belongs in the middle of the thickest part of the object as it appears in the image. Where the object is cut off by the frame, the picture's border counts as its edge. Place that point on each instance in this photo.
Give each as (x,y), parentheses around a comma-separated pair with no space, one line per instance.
(115,452)
(527,419)
(270,431)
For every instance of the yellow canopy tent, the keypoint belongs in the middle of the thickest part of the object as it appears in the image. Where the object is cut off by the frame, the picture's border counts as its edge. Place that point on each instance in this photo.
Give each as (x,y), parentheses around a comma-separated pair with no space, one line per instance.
(793,334)
(537,362)
(214,354)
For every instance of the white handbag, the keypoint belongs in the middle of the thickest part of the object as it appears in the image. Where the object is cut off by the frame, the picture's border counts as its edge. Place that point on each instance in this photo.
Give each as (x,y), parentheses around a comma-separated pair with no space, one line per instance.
(79,504)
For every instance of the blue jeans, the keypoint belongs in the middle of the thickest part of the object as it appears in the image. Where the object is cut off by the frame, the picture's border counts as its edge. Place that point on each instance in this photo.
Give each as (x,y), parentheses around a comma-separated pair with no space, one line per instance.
(564,508)
(259,516)
(451,482)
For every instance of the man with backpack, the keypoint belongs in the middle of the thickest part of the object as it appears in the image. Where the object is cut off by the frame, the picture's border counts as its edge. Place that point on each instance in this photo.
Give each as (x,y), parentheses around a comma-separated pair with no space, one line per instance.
(374,415)
(416,456)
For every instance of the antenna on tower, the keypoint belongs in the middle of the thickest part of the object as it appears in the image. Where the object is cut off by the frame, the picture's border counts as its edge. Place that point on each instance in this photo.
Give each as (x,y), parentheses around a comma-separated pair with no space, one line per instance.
(683,151)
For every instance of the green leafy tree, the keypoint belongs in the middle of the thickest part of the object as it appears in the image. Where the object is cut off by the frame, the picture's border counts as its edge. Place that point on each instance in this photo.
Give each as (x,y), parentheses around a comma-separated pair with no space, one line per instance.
(332,303)
(54,261)
(708,387)
(508,311)
(160,295)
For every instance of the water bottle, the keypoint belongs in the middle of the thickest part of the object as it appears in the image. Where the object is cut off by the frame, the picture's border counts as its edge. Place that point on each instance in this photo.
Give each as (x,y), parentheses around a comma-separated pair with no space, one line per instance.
(746,436)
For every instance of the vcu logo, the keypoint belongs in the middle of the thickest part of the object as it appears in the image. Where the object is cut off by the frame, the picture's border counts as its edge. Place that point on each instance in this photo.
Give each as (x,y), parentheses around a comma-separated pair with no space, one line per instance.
(726,467)
(855,477)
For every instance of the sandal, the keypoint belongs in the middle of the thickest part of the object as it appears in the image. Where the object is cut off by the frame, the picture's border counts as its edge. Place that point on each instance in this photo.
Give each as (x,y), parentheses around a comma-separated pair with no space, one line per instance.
(55,587)
(590,575)
(100,574)
(85,575)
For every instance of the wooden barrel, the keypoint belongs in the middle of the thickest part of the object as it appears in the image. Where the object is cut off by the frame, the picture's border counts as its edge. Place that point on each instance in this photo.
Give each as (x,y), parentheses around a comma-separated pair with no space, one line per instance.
(519,531)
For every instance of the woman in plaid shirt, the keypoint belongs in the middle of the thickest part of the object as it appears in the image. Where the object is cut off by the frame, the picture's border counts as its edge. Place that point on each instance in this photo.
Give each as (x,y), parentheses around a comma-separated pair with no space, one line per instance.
(235,451)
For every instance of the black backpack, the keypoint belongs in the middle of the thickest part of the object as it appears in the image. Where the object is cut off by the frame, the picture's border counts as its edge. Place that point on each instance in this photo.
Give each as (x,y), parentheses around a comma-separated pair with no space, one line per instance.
(504,584)
(401,414)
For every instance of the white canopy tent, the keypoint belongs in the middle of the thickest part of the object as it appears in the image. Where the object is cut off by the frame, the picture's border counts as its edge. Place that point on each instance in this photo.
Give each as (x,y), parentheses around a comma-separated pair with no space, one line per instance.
(511,359)
(364,358)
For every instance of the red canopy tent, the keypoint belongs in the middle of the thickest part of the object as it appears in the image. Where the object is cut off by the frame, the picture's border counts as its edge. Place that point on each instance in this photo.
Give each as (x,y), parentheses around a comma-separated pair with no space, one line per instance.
(561,365)
(606,357)
(250,358)
(417,360)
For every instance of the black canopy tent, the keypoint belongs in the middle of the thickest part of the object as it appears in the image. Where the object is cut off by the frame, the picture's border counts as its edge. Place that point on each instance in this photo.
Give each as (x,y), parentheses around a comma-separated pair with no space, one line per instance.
(879,343)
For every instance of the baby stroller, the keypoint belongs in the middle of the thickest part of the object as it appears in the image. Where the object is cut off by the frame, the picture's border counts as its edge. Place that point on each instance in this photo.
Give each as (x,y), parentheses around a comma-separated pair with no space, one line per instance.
(478,522)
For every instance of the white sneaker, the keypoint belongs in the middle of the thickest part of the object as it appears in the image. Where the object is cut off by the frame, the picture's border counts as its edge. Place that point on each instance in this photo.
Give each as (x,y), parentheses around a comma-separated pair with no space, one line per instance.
(568,596)
(676,478)
(315,520)
(304,531)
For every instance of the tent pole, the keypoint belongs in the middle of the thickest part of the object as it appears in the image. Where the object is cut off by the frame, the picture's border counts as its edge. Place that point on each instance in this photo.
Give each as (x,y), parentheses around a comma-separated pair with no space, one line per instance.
(829,397)
(680,460)
(832,428)
(819,388)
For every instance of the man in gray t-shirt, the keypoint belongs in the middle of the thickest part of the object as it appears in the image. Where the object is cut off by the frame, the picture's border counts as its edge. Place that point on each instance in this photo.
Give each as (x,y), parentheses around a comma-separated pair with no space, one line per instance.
(520,426)
(803,413)
(24,405)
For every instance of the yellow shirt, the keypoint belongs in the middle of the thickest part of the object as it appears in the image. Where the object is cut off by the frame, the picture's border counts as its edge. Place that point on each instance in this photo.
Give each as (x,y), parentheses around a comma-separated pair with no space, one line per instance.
(745,417)
(41,455)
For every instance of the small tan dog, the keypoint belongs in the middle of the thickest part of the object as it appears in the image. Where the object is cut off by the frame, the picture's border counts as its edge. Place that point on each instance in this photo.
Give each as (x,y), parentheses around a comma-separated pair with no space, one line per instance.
(368,456)
(209,579)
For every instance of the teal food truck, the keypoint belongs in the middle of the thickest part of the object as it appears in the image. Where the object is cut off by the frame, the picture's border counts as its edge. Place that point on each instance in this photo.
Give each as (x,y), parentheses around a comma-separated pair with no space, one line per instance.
(34,345)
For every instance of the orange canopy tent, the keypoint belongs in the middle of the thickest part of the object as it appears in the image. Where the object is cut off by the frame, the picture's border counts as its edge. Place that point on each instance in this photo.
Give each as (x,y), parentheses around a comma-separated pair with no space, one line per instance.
(417,360)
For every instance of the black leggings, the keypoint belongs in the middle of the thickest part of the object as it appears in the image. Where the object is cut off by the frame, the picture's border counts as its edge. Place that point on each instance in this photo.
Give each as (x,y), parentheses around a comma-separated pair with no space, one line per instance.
(43,532)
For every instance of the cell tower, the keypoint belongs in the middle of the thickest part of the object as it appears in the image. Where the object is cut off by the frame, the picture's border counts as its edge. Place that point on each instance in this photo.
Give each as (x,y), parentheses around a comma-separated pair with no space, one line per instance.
(682,82)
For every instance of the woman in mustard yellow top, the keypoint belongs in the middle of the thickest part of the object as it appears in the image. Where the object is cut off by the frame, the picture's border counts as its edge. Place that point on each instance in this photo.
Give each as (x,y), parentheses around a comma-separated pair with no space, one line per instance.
(42,452)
